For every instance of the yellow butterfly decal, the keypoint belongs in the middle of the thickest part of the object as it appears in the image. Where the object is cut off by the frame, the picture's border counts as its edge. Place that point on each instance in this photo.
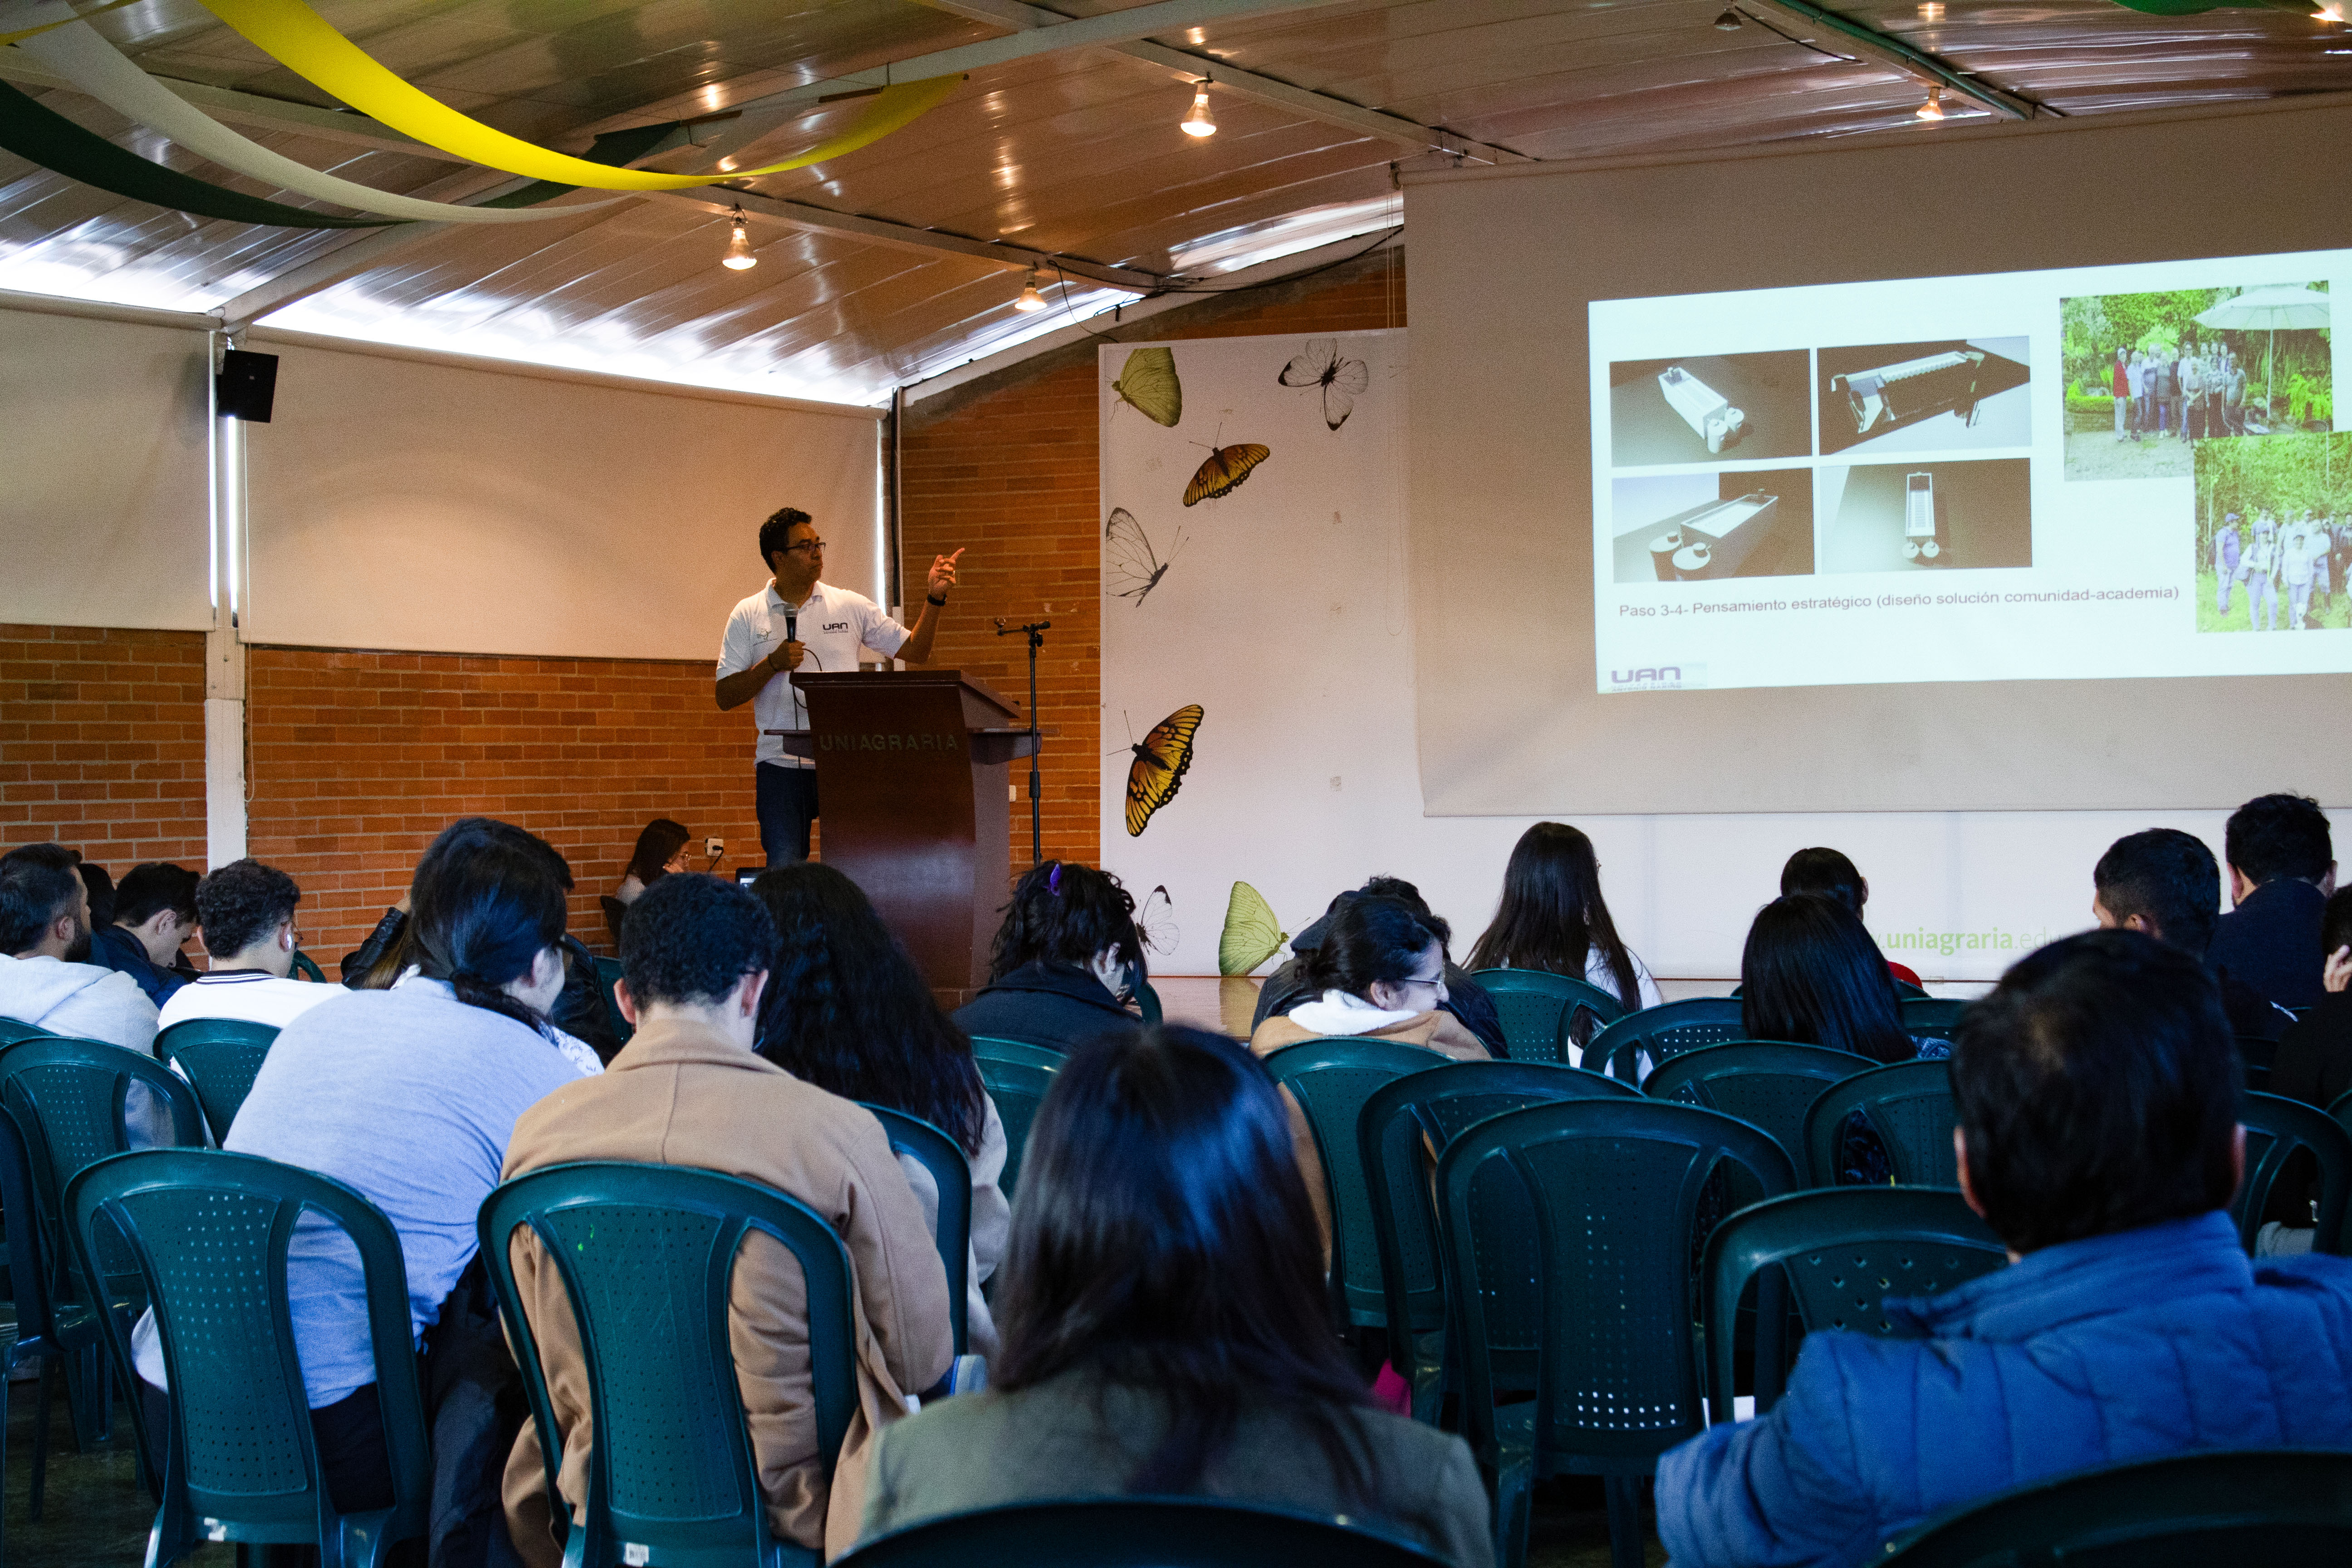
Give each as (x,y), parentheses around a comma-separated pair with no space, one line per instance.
(1148,385)
(1252,934)
(1228,466)
(1160,759)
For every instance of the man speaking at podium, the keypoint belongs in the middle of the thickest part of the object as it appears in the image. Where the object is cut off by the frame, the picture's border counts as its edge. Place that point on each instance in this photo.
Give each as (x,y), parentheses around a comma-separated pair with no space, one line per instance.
(798,622)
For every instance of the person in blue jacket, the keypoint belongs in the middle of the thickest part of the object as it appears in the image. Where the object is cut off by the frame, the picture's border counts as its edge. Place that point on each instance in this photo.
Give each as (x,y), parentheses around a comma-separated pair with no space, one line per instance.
(2097,1096)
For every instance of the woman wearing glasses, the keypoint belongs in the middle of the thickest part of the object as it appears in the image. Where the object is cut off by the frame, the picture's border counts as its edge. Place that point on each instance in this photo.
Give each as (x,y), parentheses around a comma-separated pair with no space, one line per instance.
(799,622)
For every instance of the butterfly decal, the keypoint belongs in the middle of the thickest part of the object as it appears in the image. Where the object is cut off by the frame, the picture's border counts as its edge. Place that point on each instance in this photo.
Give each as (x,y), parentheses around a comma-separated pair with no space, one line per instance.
(1148,385)
(1228,466)
(1343,380)
(1160,759)
(1155,922)
(1252,934)
(1132,566)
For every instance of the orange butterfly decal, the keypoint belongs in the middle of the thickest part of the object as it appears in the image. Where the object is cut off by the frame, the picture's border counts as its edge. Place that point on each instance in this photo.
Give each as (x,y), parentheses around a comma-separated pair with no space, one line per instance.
(1160,759)
(1228,466)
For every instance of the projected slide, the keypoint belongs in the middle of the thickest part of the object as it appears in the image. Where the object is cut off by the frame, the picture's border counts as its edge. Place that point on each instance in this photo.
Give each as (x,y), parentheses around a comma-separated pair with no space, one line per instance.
(2016,476)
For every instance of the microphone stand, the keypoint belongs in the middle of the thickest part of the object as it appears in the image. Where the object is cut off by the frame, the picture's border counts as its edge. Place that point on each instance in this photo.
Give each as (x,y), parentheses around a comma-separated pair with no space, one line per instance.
(1036,632)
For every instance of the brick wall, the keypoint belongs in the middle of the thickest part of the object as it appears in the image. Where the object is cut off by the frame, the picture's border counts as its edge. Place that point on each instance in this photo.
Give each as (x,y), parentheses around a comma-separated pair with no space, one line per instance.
(1008,466)
(103,742)
(358,758)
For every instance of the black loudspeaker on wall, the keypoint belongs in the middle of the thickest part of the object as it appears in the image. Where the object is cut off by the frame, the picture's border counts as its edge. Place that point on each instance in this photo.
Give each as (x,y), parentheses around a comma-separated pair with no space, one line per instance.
(246,386)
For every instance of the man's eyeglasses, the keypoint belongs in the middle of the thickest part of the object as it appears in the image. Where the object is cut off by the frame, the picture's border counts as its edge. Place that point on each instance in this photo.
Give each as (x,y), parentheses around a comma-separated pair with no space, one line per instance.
(807,547)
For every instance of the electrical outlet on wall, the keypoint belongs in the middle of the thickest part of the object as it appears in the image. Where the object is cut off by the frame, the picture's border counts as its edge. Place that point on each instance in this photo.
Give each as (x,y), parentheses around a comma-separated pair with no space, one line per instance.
(714,847)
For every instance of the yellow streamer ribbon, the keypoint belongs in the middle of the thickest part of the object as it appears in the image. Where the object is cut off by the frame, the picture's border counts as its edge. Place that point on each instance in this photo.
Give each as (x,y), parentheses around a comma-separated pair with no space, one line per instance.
(303,41)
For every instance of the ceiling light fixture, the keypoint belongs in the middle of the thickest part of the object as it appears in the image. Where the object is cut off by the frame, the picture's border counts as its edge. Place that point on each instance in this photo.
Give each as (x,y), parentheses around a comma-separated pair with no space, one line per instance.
(1933,11)
(1934,107)
(1031,299)
(1729,22)
(2333,11)
(738,248)
(1198,121)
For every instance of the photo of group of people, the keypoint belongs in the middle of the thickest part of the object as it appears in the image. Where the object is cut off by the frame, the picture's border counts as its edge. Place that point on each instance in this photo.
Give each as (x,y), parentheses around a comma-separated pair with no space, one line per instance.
(1719,420)
(2149,376)
(2274,534)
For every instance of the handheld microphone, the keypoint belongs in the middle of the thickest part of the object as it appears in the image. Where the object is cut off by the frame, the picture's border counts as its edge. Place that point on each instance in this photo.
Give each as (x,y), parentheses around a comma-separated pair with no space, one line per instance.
(792,626)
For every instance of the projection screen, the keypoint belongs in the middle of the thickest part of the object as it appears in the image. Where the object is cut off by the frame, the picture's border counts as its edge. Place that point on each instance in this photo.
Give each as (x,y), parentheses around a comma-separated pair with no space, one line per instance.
(1802,481)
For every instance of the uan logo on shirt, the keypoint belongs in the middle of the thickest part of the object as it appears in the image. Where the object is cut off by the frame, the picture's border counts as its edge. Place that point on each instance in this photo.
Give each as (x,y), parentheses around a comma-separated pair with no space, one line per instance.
(836,625)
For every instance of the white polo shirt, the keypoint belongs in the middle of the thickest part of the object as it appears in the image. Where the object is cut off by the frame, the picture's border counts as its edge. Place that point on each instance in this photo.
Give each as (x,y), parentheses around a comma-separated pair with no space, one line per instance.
(249,994)
(832,623)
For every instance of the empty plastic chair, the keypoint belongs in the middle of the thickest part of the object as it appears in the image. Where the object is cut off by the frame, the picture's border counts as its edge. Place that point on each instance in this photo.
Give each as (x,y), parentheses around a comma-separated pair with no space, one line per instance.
(220,1058)
(2282,1509)
(1142,1532)
(1016,1075)
(209,1232)
(937,1153)
(1662,1032)
(45,1332)
(1909,1105)
(1770,1083)
(670,1475)
(1539,1010)
(2275,1129)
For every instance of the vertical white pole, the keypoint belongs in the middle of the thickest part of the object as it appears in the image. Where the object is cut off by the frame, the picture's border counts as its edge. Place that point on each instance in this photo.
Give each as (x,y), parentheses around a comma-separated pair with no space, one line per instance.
(225,797)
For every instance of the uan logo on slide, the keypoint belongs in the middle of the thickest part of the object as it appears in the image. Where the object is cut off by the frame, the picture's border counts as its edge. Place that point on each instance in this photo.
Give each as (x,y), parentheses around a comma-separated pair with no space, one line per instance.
(1658,678)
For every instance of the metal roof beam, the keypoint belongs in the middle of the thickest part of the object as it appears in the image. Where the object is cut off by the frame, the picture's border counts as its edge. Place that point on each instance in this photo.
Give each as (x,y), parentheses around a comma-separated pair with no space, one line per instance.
(1908,57)
(1379,124)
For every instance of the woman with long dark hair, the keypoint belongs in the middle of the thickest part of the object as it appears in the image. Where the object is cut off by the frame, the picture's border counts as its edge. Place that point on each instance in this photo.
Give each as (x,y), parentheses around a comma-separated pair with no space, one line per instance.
(1552,918)
(662,850)
(1165,1327)
(848,1011)
(1064,962)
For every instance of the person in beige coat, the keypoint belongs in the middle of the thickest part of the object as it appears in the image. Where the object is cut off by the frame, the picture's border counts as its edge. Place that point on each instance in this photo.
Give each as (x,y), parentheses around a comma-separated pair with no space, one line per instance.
(689,1090)
(1380,974)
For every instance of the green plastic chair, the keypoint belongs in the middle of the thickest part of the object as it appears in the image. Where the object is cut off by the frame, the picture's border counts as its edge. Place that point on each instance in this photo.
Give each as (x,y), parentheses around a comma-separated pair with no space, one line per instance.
(2284,1508)
(2275,1127)
(1904,991)
(54,1335)
(930,1147)
(1663,1032)
(1934,1015)
(14,1029)
(1909,1105)
(1137,1532)
(1146,1001)
(1769,1083)
(210,1231)
(1539,1010)
(2255,1056)
(670,1475)
(1841,1251)
(220,1058)
(1423,1112)
(306,968)
(608,973)
(1330,1079)
(1601,1326)
(1016,1075)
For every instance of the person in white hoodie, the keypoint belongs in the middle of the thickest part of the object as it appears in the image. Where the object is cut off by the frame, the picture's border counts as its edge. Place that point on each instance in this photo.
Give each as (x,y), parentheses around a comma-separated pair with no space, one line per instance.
(246,914)
(45,936)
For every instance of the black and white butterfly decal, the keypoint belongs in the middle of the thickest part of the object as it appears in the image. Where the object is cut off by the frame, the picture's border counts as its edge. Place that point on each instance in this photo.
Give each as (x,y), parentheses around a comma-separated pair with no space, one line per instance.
(1343,380)
(1132,566)
(1155,922)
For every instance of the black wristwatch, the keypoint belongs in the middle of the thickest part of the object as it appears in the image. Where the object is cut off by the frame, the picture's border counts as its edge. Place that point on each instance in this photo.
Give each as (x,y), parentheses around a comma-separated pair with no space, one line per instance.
(929,600)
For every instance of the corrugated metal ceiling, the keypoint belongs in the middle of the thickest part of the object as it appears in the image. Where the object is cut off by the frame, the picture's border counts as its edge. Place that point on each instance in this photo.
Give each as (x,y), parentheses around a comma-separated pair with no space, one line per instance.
(1075,153)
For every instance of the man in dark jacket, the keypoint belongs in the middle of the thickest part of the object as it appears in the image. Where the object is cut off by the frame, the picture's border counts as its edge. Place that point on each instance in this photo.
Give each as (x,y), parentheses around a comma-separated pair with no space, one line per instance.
(153,916)
(2282,869)
(2315,1057)
(2098,1136)
(1465,997)
(2164,883)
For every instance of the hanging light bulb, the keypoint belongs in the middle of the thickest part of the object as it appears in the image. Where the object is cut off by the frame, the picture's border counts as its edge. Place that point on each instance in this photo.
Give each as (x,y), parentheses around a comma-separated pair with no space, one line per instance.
(1031,299)
(1729,22)
(738,248)
(1934,107)
(1198,121)
(2333,11)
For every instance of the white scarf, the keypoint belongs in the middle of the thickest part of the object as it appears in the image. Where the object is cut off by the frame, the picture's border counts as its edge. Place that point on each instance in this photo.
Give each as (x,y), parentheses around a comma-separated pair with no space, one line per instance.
(1342,1014)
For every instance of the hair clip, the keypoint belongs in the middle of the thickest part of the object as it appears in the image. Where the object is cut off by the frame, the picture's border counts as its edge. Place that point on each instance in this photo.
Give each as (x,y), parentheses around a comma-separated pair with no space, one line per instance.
(1054,880)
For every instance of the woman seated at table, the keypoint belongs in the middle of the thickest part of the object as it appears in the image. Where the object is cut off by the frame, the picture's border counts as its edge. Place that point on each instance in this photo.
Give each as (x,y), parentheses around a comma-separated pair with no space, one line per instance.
(1065,960)
(662,849)
(1165,1327)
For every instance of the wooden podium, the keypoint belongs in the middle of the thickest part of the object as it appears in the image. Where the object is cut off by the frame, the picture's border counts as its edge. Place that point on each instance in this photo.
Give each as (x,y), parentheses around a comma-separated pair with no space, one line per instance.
(912,777)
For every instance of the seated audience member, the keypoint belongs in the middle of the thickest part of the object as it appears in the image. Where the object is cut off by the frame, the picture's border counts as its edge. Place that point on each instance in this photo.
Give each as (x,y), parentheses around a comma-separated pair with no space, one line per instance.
(662,850)
(688,1090)
(2164,883)
(247,910)
(1825,870)
(46,976)
(1064,962)
(2315,1057)
(848,1011)
(153,914)
(1552,918)
(2282,869)
(101,883)
(2097,1099)
(1166,1328)
(1465,999)
(410,1095)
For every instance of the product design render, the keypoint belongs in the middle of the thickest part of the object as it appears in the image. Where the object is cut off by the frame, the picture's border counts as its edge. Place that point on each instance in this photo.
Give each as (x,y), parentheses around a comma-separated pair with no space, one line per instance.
(1897,395)
(1706,411)
(1920,518)
(1711,540)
